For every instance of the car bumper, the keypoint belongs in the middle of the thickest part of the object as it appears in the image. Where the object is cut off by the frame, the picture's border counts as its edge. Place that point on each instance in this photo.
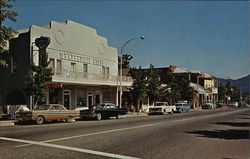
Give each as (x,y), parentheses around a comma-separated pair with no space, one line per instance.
(155,112)
(24,118)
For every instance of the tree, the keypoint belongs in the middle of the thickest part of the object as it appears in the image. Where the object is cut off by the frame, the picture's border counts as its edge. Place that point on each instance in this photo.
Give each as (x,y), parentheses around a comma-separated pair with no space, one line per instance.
(6,33)
(38,75)
(125,60)
(139,88)
(153,84)
(180,86)
(228,91)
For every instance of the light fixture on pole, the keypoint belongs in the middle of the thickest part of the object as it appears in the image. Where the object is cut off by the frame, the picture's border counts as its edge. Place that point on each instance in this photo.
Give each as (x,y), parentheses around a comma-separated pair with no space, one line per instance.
(121,61)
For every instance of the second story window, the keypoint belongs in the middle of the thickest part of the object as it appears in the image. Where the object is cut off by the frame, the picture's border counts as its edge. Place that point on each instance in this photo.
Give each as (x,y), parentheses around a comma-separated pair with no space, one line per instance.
(73,66)
(103,70)
(107,70)
(85,68)
(52,63)
(58,66)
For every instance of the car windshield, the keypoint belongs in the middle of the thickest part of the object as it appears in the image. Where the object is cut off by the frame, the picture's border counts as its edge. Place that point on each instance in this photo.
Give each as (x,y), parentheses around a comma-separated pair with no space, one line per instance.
(178,104)
(42,107)
(79,106)
(159,104)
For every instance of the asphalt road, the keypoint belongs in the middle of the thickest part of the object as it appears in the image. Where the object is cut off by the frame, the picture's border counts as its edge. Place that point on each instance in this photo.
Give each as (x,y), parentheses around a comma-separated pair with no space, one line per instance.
(211,134)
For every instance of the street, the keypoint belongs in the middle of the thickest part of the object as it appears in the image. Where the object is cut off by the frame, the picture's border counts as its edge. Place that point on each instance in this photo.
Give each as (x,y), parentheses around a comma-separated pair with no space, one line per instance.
(206,134)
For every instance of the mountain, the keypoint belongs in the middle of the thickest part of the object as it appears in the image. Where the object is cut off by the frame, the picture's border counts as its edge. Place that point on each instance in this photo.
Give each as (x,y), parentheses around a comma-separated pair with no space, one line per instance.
(242,83)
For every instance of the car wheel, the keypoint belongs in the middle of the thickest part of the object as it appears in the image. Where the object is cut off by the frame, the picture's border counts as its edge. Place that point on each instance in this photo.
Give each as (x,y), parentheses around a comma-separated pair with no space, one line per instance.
(118,116)
(172,112)
(40,120)
(70,119)
(99,116)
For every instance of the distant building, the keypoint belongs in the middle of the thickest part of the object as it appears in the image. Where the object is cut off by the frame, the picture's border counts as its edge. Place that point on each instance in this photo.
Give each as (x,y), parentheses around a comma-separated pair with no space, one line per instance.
(85,67)
(205,86)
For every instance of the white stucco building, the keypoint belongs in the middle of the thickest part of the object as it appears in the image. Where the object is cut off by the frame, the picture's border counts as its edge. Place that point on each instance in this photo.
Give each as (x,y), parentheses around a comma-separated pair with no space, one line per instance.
(85,67)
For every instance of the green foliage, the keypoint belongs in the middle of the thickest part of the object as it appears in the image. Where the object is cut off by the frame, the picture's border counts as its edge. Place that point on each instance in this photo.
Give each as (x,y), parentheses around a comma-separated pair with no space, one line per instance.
(181,84)
(148,82)
(139,88)
(38,76)
(126,58)
(153,84)
(178,88)
(228,90)
(6,33)
(246,98)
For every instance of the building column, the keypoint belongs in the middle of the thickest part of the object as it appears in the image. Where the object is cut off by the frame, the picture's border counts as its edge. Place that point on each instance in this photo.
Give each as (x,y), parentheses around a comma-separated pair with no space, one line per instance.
(117,96)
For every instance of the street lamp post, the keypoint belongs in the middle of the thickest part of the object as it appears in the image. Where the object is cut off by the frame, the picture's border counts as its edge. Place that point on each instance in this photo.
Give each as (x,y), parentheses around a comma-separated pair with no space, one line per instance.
(121,61)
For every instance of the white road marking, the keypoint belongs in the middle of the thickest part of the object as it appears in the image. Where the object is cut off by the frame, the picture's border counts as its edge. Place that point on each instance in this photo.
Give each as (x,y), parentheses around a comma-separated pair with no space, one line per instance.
(70,148)
(130,128)
(91,134)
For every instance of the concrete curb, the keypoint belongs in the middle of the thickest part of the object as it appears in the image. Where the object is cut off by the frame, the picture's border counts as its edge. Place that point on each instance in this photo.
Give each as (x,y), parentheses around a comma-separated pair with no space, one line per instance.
(7,123)
(134,115)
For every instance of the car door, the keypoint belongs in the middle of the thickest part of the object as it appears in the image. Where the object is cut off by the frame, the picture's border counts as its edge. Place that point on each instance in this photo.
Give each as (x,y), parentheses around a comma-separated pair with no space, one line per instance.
(52,113)
(62,112)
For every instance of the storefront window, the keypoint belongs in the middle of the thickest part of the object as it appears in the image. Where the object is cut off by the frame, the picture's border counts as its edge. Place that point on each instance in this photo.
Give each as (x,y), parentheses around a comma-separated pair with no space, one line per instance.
(81,97)
(54,95)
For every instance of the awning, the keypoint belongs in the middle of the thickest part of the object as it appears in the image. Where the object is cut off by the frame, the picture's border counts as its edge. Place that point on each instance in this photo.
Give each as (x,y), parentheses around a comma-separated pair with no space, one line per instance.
(200,89)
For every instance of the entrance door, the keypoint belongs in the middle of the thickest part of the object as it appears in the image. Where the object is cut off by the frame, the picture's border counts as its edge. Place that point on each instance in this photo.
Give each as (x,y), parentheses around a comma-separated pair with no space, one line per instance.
(90,99)
(97,99)
(67,98)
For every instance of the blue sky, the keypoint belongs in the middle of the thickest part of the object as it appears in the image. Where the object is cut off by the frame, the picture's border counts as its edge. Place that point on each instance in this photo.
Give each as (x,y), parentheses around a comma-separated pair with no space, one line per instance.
(209,36)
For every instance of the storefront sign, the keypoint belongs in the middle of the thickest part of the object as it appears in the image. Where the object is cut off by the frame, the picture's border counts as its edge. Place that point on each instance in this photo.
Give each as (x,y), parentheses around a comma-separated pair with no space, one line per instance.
(74,57)
(98,62)
(80,58)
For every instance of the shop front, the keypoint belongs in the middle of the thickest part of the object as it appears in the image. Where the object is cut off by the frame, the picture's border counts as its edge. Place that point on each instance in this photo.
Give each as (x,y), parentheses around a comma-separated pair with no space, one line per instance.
(72,96)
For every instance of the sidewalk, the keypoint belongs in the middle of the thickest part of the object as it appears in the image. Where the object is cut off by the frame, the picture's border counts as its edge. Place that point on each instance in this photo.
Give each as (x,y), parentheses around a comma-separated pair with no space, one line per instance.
(134,114)
(7,123)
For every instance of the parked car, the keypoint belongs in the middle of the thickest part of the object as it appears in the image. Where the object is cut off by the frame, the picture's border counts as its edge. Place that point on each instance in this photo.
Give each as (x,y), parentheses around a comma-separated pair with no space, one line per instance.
(81,107)
(234,104)
(161,108)
(103,111)
(221,105)
(47,112)
(180,107)
(208,106)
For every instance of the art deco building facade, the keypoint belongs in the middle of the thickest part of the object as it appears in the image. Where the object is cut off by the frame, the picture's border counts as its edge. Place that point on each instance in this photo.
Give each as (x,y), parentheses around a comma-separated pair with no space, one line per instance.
(85,67)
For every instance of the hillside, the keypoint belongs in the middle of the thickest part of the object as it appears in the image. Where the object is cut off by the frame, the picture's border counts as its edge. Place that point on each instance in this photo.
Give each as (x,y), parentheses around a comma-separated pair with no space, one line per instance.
(242,83)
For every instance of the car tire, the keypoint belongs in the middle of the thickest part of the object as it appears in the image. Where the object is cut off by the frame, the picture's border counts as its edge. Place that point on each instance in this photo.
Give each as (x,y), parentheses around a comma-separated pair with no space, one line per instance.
(70,119)
(118,116)
(40,120)
(172,112)
(99,116)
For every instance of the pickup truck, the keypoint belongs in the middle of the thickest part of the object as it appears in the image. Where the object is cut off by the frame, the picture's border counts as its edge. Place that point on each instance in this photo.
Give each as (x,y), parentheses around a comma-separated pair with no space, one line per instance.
(162,108)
